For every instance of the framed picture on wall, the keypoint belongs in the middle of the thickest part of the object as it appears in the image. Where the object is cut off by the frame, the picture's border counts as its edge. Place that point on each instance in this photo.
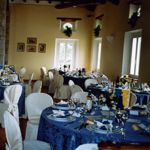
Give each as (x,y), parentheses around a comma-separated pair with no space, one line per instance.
(31,40)
(31,48)
(20,47)
(42,48)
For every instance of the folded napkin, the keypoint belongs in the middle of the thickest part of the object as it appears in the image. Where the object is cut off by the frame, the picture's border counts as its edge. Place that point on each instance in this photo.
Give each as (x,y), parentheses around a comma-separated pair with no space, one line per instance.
(75,114)
(99,124)
(58,113)
(105,108)
(62,102)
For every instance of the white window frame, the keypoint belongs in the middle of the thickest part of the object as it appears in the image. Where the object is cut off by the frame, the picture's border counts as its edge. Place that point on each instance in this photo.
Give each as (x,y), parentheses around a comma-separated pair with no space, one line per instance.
(127,50)
(96,54)
(135,55)
(76,51)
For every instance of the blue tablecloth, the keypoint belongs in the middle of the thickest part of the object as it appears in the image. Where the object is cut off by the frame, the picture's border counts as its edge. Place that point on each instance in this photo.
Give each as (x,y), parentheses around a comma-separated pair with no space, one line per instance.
(77,80)
(67,136)
(21,103)
(142,98)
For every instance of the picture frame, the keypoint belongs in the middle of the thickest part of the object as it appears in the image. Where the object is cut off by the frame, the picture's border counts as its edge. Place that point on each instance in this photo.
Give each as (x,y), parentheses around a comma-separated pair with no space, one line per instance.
(42,48)
(20,47)
(31,48)
(31,40)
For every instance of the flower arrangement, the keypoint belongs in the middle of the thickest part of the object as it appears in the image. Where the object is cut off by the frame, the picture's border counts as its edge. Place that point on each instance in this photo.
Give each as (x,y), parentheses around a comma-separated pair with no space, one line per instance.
(97,30)
(68,31)
(133,19)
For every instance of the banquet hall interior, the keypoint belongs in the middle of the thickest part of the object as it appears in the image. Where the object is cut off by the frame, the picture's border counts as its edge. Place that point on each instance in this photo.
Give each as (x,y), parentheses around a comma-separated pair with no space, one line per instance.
(53,49)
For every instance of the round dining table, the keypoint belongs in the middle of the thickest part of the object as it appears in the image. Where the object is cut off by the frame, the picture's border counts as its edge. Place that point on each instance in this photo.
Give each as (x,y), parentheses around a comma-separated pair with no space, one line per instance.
(70,131)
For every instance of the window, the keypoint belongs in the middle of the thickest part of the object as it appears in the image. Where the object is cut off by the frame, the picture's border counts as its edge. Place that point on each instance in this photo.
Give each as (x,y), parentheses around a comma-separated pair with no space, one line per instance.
(96,54)
(65,53)
(131,52)
(135,56)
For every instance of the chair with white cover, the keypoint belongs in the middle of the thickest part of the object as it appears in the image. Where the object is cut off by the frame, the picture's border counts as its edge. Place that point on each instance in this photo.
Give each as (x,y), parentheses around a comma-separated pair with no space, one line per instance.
(75,88)
(28,88)
(22,73)
(11,97)
(89,82)
(71,83)
(37,86)
(50,75)
(14,137)
(61,91)
(53,81)
(87,147)
(35,103)
(80,96)
(44,76)
(133,99)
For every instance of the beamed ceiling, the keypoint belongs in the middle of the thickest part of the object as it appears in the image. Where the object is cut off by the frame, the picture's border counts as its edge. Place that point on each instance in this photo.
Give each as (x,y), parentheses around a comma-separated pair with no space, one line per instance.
(61,4)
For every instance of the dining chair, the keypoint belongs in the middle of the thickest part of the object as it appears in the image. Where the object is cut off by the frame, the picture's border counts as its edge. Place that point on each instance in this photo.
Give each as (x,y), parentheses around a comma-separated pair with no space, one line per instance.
(53,82)
(14,137)
(11,97)
(133,99)
(80,96)
(75,88)
(91,146)
(50,75)
(37,86)
(44,76)
(28,86)
(35,103)
(61,91)
(22,73)
(70,83)
(89,82)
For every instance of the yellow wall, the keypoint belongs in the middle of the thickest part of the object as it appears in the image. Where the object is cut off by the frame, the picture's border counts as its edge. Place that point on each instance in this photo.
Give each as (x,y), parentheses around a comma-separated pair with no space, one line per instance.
(40,21)
(115,22)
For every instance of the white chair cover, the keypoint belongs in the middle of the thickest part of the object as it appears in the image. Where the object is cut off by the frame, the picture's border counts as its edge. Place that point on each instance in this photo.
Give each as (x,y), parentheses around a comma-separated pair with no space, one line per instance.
(87,147)
(133,99)
(53,82)
(44,76)
(31,78)
(11,97)
(75,88)
(63,92)
(50,75)
(28,88)
(80,96)
(71,83)
(22,73)
(58,83)
(14,138)
(38,101)
(12,130)
(88,82)
(44,71)
(37,87)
